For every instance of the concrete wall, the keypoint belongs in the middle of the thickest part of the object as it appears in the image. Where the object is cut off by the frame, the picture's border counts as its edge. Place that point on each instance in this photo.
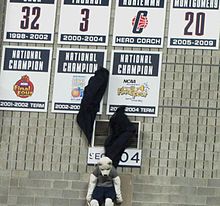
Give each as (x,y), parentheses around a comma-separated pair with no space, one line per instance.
(43,155)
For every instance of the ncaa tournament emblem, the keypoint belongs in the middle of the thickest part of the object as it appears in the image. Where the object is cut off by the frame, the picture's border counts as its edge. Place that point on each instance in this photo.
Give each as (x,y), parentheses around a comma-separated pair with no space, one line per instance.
(24,88)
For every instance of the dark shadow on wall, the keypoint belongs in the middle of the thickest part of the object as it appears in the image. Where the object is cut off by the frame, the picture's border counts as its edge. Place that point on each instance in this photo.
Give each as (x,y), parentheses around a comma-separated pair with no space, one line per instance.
(2,20)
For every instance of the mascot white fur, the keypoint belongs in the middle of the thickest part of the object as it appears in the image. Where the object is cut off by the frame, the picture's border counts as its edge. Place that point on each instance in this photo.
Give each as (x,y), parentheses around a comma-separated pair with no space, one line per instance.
(104,185)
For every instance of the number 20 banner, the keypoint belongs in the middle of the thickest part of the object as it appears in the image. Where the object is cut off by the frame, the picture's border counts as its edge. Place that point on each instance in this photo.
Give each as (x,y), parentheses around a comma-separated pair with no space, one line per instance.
(30,21)
(84,22)
(193,24)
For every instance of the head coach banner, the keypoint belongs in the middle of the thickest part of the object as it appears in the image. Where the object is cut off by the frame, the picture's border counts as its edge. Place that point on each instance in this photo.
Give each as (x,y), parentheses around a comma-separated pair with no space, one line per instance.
(74,67)
(193,24)
(84,22)
(24,78)
(139,23)
(30,21)
(135,82)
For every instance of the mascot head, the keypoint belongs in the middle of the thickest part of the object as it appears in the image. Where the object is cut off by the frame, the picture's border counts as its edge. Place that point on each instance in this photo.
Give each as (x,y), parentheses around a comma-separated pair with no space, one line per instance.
(105,165)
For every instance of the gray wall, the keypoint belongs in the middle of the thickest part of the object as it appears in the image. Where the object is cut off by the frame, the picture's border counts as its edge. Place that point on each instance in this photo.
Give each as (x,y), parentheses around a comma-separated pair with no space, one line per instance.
(43,155)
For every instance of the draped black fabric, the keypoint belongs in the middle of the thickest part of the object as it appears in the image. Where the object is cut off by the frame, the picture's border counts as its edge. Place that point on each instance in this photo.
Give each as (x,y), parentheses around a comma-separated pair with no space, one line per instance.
(121,130)
(90,103)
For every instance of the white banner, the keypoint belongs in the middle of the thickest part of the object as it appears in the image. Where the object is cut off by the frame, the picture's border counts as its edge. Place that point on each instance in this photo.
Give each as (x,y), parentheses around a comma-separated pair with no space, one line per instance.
(194,24)
(130,157)
(134,82)
(84,22)
(74,67)
(30,21)
(24,78)
(139,23)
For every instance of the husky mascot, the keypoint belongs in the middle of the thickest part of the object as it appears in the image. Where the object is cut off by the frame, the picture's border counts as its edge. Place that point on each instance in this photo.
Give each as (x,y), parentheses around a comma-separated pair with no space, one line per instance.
(104,185)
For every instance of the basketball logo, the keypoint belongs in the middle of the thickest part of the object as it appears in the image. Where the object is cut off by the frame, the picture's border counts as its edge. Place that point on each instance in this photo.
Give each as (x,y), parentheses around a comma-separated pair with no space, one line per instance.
(140,22)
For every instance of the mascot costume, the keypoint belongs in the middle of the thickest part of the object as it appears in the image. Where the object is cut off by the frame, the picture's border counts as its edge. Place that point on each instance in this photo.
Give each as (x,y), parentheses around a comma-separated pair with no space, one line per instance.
(104,185)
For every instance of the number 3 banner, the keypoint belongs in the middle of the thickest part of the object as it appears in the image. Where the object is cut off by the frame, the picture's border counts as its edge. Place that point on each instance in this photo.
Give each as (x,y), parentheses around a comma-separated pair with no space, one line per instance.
(193,24)
(30,21)
(84,22)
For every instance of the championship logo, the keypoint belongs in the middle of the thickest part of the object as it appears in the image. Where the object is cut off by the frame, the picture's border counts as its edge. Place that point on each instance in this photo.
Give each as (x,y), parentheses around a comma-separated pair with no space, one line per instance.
(24,88)
(140,22)
(78,84)
(133,91)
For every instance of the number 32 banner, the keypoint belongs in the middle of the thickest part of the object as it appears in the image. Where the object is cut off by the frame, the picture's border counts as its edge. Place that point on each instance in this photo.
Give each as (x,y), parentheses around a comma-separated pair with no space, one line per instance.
(193,24)
(30,21)
(84,22)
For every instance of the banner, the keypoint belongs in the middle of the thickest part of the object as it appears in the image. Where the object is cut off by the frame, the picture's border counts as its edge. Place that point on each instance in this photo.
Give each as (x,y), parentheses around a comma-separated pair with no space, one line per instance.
(130,157)
(30,21)
(84,22)
(74,67)
(24,78)
(135,82)
(193,24)
(139,23)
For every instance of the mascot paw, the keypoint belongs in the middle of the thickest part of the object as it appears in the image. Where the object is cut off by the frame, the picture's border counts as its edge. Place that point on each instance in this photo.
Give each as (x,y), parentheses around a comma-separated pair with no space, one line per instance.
(119,200)
(89,198)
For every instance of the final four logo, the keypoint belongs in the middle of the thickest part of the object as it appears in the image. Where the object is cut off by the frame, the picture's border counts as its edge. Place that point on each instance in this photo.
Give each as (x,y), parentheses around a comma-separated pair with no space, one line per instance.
(140,22)
(24,88)
(133,90)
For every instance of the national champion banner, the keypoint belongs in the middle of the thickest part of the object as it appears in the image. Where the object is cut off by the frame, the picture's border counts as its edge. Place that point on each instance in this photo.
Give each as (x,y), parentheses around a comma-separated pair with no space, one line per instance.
(134,82)
(74,67)
(84,22)
(24,78)
(30,21)
(139,23)
(193,24)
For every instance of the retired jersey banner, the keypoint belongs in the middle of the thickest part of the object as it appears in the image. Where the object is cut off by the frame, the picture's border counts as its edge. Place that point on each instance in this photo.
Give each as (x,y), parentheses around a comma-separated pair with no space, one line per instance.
(24,78)
(139,23)
(74,67)
(30,21)
(134,82)
(84,22)
(194,24)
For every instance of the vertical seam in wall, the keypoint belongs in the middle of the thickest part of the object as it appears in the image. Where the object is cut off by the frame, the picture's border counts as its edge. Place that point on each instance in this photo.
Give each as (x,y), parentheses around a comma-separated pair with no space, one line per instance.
(9,142)
(18,137)
(1,128)
(61,152)
(35,144)
(151,140)
(213,151)
(26,141)
(178,145)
